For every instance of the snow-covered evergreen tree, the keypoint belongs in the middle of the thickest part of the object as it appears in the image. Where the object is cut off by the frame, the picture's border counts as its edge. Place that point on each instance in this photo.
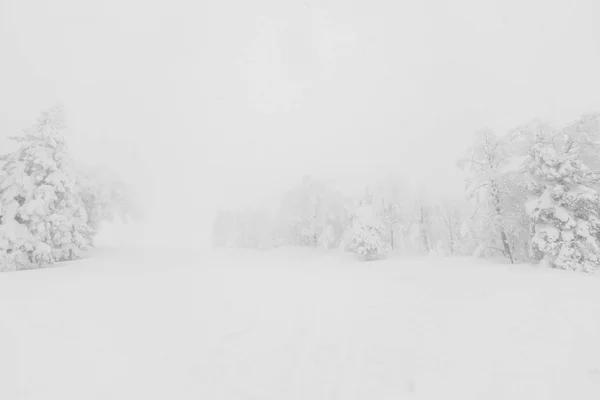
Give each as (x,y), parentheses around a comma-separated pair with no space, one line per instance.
(38,191)
(565,209)
(18,247)
(367,235)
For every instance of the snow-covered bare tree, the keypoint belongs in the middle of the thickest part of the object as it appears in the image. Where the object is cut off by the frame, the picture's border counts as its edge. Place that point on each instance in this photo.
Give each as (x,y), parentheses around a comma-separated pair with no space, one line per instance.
(491,185)
(389,199)
(584,135)
(450,216)
(312,214)
(105,197)
(422,226)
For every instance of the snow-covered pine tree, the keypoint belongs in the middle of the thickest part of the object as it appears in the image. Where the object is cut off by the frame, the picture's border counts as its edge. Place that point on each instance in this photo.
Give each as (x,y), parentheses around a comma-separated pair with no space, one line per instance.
(38,177)
(367,236)
(18,247)
(565,209)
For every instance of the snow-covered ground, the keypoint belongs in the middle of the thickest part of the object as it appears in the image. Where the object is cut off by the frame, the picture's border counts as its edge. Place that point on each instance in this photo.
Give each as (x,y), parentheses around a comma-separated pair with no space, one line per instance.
(296,324)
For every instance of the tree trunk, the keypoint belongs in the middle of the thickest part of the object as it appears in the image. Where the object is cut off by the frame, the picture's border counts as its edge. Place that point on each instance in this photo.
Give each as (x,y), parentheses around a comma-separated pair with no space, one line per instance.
(507,251)
(450,234)
(423,232)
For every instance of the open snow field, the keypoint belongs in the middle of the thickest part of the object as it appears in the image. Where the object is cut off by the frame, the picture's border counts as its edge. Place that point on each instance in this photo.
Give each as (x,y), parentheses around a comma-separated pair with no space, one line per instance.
(294,324)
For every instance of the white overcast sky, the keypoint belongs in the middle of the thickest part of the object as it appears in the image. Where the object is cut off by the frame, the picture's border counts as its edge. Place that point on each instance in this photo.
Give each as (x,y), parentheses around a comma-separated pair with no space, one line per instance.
(214,102)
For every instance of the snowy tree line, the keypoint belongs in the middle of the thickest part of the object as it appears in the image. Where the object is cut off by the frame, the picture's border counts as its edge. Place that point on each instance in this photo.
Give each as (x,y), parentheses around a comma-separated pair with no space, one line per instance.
(531,195)
(50,207)
(384,218)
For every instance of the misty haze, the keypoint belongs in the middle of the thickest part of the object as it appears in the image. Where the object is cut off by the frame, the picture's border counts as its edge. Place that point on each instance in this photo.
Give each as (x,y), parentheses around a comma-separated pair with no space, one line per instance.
(300,200)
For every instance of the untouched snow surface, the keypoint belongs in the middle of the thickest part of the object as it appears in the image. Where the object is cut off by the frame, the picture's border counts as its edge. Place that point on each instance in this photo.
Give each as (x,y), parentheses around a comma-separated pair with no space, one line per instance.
(294,324)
